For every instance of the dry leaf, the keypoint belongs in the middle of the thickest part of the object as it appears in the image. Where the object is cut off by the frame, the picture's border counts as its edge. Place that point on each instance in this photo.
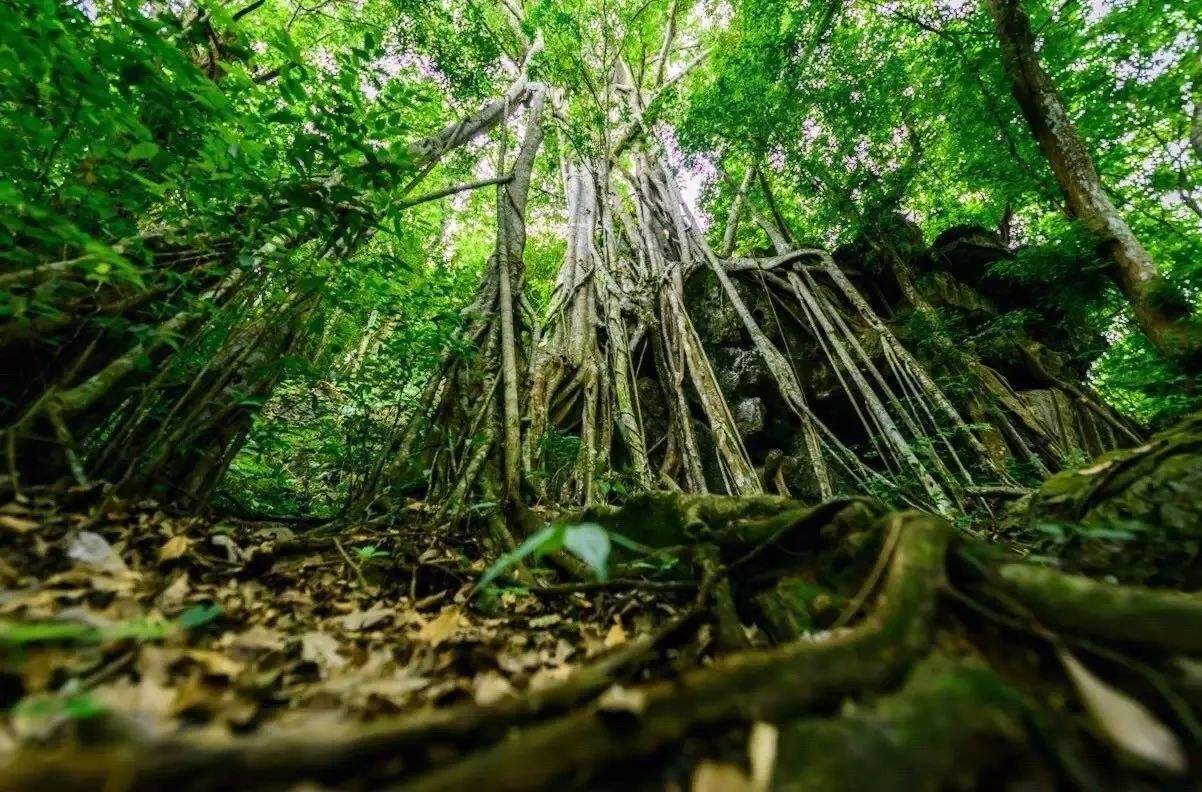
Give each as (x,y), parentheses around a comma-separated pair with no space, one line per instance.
(174,549)
(377,678)
(233,553)
(761,754)
(440,628)
(16,524)
(615,636)
(148,696)
(622,699)
(491,687)
(1125,722)
(215,663)
(176,593)
(322,650)
(720,777)
(257,639)
(93,550)
(364,619)
(549,677)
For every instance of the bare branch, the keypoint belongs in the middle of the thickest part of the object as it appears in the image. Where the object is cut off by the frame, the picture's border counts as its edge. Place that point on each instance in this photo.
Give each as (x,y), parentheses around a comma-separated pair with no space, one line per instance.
(452,190)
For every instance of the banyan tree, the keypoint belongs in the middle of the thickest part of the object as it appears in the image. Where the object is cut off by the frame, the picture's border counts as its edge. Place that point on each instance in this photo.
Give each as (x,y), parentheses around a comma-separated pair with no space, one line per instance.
(827,334)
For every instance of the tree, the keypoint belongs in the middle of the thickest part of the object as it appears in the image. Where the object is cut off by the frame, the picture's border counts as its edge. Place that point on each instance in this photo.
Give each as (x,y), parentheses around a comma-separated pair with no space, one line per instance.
(767,311)
(1162,312)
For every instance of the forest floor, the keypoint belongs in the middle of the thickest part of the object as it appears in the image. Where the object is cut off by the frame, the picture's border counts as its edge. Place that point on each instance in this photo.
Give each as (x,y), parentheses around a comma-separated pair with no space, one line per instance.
(146,626)
(141,650)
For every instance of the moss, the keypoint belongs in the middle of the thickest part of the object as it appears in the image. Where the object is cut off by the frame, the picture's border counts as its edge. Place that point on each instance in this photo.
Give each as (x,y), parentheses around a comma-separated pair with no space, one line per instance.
(1134,513)
(1125,614)
(669,519)
(947,728)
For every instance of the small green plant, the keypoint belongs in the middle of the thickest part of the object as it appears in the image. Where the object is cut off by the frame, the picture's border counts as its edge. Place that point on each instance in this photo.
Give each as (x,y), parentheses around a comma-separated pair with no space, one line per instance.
(587,541)
(70,704)
(370,553)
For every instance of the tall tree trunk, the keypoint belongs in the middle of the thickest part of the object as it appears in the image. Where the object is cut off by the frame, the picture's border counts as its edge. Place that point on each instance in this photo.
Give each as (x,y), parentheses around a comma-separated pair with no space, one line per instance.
(1162,313)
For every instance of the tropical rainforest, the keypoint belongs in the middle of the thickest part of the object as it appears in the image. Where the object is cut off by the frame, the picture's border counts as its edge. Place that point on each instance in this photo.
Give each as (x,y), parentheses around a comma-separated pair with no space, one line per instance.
(601,394)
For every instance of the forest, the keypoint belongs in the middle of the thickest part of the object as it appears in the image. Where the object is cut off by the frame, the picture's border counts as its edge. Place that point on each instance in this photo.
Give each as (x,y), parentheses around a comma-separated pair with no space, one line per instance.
(601,394)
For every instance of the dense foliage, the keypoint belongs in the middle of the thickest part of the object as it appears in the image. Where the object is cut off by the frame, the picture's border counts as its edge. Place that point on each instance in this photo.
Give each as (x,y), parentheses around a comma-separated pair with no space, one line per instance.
(189,183)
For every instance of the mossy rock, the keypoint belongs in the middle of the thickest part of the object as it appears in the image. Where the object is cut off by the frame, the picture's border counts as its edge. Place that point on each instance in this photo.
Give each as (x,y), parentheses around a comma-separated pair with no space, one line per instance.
(1134,513)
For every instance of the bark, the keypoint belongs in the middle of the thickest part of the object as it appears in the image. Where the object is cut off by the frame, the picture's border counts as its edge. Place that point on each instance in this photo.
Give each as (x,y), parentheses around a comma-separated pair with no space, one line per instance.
(1163,314)
(736,211)
(424,153)
(511,245)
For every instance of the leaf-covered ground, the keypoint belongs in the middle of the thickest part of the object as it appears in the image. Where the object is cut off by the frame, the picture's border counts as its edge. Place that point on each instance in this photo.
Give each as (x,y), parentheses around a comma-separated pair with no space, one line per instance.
(141,624)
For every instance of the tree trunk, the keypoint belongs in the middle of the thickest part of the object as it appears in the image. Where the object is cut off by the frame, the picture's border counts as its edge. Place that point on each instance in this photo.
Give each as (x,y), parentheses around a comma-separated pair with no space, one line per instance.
(1163,314)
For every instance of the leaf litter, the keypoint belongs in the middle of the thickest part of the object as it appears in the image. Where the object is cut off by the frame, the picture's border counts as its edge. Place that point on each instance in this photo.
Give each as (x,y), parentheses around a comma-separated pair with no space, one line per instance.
(152,625)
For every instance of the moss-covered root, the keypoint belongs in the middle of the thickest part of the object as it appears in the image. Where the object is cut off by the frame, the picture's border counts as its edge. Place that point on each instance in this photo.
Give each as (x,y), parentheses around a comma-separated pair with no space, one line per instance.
(952,726)
(669,519)
(762,685)
(1125,614)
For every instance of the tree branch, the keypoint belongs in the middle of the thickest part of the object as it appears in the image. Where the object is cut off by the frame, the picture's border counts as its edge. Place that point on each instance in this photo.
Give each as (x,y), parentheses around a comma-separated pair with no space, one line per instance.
(458,188)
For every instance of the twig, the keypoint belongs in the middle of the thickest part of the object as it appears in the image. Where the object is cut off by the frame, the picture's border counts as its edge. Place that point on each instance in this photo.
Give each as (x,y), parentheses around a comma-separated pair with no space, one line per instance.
(351,564)
(613,585)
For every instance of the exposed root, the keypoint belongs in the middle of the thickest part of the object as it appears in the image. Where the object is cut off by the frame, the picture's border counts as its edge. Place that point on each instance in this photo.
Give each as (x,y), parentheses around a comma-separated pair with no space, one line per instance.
(1166,620)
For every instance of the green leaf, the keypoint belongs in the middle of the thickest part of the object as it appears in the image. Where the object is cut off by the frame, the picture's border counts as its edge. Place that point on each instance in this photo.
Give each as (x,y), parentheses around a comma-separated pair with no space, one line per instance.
(198,616)
(590,543)
(17,634)
(548,540)
(142,151)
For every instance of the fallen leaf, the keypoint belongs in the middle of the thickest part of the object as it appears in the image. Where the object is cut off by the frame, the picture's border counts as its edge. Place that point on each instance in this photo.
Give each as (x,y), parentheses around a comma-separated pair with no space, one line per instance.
(549,677)
(712,776)
(257,639)
(176,593)
(233,553)
(1129,725)
(622,699)
(321,650)
(364,619)
(16,524)
(761,754)
(93,550)
(615,636)
(174,549)
(491,687)
(440,628)
(215,663)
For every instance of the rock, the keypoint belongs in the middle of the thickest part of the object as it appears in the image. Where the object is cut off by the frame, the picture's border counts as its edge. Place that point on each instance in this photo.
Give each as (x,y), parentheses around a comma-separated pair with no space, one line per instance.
(651,407)
(1135,512)
(749,415)
(740,371)
(943,289)
(967,251)
(713,316)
